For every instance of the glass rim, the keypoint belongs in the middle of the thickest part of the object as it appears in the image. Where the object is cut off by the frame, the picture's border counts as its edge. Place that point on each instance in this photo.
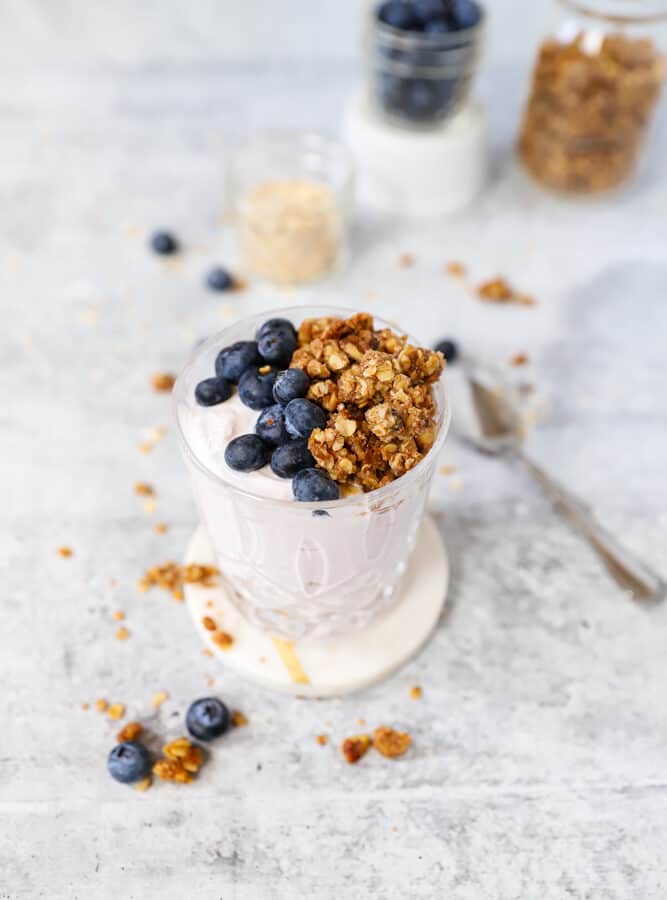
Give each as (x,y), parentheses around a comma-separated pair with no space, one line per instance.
(376,495)
(411,40)
(620,12)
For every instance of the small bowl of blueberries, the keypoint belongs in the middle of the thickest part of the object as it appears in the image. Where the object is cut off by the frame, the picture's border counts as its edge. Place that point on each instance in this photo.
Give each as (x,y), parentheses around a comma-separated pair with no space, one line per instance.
(423,57)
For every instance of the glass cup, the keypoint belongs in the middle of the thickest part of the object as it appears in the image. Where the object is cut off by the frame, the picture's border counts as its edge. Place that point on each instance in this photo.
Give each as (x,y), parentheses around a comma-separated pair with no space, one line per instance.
(305,570)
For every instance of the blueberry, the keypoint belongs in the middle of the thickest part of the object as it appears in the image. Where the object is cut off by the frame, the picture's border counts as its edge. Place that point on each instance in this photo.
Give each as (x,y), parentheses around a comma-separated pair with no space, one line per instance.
(247,453)
(163,243)
(302,416)
(427,10)
(289,459)
(276,325)
(309,485)
(276,345)
(212,391)
(219,279)
(449,349)
(290,384)
(421,98)
(398,14)
(232,361)
(256,388)
(438,26)
(128,762)
(271,425)
(207,718)
(465,13)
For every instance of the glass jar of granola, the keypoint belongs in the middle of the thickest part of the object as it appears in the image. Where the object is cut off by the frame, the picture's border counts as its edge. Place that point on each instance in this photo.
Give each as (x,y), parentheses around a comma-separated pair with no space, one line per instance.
(595,85)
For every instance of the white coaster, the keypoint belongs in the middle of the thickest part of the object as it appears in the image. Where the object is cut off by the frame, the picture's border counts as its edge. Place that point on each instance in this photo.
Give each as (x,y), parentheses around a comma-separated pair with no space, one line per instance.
(339,666)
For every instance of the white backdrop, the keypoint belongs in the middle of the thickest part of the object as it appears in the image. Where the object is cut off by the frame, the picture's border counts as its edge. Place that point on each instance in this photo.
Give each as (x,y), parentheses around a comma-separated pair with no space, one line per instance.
(47,32)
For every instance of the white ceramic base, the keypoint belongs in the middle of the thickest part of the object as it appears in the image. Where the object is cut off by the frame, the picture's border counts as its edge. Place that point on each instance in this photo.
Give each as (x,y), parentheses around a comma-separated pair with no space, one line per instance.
(417,173)
(339,666)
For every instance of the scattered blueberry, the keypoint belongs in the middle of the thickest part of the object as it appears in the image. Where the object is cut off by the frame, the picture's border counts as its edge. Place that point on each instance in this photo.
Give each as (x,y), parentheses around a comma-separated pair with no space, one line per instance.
(219,279)
(256,389)
(290,384)
(164,243)
(276,345)
(302,416)
(128,762)
(427,10)
(212,391)
(276,325)
(289,459)
(449,349)
(310,485)
(465,13)
(398,14)
(247,453)
(232,361)
(271,425)
(207,718)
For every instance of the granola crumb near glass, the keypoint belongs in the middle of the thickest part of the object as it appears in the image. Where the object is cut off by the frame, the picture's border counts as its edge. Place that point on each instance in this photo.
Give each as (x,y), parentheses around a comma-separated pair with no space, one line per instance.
(391,743)
(353,748)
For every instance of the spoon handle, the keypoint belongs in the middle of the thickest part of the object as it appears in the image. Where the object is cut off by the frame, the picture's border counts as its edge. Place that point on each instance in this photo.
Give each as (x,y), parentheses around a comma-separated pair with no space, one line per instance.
(630,572)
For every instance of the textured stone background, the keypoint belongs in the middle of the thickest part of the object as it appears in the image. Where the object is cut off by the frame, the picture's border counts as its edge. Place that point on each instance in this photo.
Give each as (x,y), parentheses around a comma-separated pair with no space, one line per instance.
(539,767)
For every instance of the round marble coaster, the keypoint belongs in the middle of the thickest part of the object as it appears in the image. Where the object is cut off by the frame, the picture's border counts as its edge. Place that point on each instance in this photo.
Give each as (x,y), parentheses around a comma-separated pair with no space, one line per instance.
(339,666)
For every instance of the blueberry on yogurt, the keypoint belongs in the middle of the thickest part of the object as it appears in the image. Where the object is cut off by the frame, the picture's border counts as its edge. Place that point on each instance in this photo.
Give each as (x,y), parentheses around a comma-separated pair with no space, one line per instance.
(271,425)
(276,345)
(302,417)
(291,458)
(232,361)
(256,387)
(290,384)
(247,453)
(310,485)
(212,391)
(129,762)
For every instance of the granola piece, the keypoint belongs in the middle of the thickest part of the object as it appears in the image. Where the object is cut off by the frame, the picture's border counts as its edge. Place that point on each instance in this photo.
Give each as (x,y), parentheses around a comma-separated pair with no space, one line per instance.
(391,743)
(162,382)
(129,732)
(238,718)
(143,489)
(143,785)
(122,634)
(172,770)
(324,393)
(209,623)
(406,260)
(65,552)
(322,740)
(159,699)
(353,748)
(497,290)
(184,752)
(119,615)
(116,711)
(223,640)
(304,358)
(416,692)
(519,359)
(455,269)
(101,705)
(160,528)
(170,577)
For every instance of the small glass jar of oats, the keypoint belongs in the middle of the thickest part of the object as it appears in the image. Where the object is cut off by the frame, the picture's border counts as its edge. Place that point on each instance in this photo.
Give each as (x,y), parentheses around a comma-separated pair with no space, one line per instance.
(292,198)
(596,83)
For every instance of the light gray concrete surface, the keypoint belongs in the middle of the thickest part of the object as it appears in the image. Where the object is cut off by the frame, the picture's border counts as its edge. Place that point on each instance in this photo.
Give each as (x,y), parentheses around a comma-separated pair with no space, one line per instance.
(539,766)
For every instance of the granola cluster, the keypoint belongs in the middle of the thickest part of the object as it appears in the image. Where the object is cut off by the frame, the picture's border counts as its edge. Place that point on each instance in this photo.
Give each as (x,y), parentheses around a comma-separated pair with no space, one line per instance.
(171,577)
(182,761)
(376,388)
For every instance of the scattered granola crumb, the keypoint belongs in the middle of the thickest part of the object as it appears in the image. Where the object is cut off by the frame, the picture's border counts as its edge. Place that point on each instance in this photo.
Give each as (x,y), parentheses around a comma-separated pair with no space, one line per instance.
(150,505)
(65,552)
(160,528)
(361,722)
(85,706)
(406,260)
(223,640)
(210,604)
(208,623)
(455,484)
(162,382)
(322,739)
(519,359)
(155,435)
(499,290)
(116,711)
(353,748)
(207,651)
(170,577)
(238,718)
(119,615)
(389,742)
(183,760)
(143,489)
(455,269)
(159,699)
(416,692)
(447,470)
(210,681)
(101,705)
(129,732)
(264,370)
(143,785)
(122,634)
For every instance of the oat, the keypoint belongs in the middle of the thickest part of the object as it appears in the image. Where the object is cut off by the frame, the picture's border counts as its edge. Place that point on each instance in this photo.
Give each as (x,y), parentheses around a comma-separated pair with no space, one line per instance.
(129,732)
(322,740)
(238,718)
(116,711)
(455,269)
(353,748)
(406,260)
(391,743)
(163,382)
(159,699)
(182,761)
(143,489)
(143,785)
(101,705)
(160,528)
(122,634)
(377,389)
(119,615)
(65,552)
(519,359)
(208,623)
(416,692)
(170,577)
(223,640)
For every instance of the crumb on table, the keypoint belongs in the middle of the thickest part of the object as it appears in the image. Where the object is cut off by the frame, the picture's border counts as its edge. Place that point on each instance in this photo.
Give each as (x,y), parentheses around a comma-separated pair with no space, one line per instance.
(162,382)
(65,552)
(391,743)
(353,748)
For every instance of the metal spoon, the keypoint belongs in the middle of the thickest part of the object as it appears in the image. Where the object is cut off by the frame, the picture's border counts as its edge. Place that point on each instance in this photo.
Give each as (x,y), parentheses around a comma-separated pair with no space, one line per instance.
(500,426)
